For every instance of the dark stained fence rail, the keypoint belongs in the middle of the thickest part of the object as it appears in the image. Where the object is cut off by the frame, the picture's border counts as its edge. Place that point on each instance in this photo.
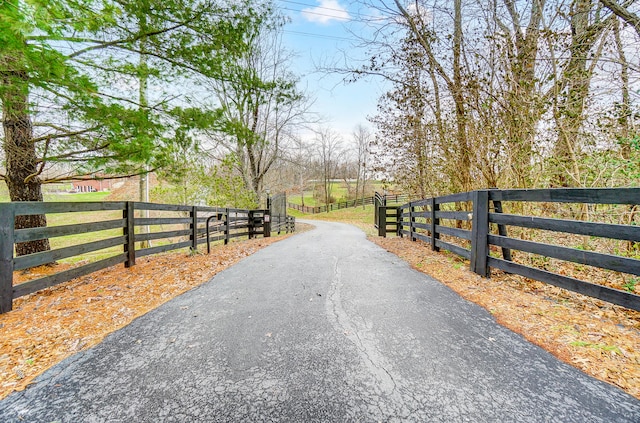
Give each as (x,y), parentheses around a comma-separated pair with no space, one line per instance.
(115,237)
(470,216)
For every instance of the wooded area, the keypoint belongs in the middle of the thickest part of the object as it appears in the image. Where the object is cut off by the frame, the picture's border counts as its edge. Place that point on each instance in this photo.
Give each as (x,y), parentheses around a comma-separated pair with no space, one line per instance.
(507,93)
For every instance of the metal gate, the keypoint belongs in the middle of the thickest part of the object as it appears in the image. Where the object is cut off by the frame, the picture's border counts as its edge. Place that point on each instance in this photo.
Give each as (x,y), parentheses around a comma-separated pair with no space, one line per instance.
(278,210)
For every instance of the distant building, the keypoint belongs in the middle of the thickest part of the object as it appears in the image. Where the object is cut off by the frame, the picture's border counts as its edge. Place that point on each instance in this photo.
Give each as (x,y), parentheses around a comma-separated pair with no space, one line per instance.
(92,185)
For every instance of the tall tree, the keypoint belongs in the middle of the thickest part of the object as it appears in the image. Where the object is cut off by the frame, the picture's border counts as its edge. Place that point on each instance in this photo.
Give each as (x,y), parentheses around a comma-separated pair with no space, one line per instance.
(573,88)
(260,106)
(522,104)
(329,154)
(67,69)
(362,138)
(415,21)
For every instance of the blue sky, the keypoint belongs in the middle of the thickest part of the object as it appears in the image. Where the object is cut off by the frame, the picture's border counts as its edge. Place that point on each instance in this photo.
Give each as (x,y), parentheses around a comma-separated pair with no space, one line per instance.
(319,33)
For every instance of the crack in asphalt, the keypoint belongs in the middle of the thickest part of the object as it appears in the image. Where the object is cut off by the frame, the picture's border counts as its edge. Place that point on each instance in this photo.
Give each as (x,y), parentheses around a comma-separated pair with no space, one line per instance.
(358,334)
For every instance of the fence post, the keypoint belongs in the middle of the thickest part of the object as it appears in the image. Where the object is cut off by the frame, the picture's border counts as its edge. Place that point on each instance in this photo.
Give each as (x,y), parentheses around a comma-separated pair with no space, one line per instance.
(226,226)
(129,232)
(382,221)
(7,227)
(502,230)
(412,220)
(194,228)
(267,225)
(434,222)
(251,227)
(480,233)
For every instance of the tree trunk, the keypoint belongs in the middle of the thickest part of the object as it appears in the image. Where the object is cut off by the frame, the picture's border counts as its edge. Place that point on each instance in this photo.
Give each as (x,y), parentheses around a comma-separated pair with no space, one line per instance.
(524,108)
(464,159)
(570,113)
(20,152)
(624,111)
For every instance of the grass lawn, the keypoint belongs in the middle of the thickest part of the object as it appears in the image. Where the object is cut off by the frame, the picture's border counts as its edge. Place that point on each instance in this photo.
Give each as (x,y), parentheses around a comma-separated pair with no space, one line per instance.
(339,192)
(362,218)
(79,197)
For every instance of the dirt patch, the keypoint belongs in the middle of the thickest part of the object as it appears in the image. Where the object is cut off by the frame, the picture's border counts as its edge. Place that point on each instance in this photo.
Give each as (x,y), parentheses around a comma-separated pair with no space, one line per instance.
(46,327)
(601,339)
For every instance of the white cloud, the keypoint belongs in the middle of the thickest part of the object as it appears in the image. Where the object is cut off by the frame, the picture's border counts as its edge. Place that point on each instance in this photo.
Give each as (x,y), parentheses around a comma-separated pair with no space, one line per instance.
(327,11)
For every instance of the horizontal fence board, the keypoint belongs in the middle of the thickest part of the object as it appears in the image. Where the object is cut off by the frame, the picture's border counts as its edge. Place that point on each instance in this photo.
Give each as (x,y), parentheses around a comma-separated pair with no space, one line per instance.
(459,233)
(211,239)
(454,198)
(162,207)
(570,195)
(213,210)
(66,275)
(39,207)
(238,234)
(625,299)
(37,259)
(423,214)
(453,215)
(162,248)
(456,249)
(591,258)
(421,237)
(203,220)
(159,235)
(419,225)
(212,228)
(32,234)
(420,203)
(605,230)
(243,220)
(151,221)
(243,212)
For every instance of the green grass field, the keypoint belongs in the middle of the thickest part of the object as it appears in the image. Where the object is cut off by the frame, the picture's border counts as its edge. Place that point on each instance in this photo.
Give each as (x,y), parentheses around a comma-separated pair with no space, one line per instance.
(339,192)
(362,218)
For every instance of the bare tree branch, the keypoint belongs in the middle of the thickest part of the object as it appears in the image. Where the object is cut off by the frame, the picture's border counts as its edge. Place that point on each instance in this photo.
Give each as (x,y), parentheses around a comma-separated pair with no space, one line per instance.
(623,13)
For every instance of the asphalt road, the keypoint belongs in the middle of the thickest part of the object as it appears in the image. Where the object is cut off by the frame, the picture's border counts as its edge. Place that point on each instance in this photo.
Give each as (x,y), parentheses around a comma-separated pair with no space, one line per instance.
(321,327)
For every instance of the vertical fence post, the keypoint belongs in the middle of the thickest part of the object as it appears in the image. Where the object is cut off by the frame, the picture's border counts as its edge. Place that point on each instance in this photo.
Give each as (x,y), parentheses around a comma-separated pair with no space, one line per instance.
(502,230)
(226,226)
(267,225)
(7,226)
(382,221)
(129,232)
(194,228)
(412,221)
(480,233)
(434,222)
(251,227)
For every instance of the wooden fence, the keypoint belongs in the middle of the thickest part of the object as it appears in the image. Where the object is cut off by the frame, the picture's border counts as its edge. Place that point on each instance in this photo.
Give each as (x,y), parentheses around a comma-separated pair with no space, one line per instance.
(116,236)
(482,210)
(392,198)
